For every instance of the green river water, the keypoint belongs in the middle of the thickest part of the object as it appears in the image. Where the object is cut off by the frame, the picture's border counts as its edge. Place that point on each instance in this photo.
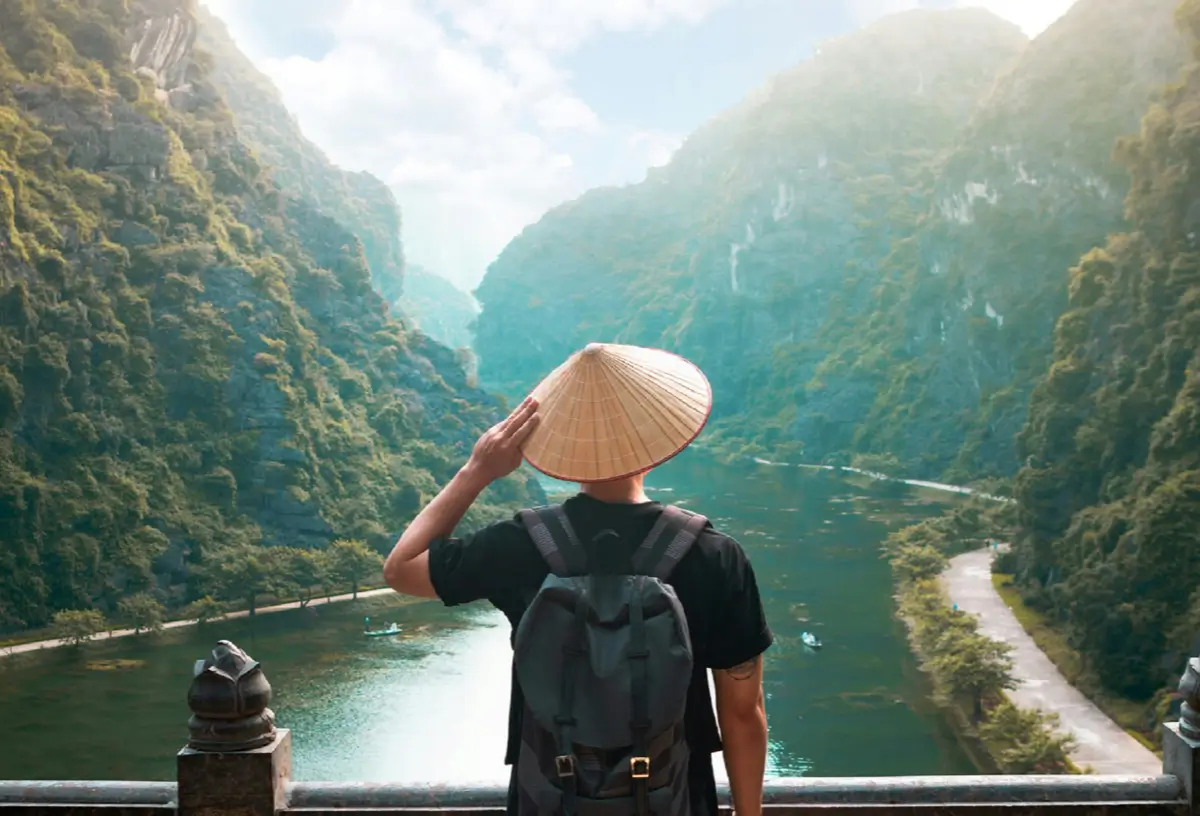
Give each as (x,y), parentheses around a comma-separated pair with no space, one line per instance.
(430,705)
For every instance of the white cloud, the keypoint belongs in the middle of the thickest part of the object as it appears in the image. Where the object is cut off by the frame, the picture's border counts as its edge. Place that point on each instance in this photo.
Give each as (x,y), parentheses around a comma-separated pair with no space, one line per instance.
(463,108)
(559,25)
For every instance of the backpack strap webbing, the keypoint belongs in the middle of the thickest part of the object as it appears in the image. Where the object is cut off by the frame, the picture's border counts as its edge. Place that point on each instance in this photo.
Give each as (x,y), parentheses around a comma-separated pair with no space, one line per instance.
(672,535)
(639,687)
(565,762)
(555,539)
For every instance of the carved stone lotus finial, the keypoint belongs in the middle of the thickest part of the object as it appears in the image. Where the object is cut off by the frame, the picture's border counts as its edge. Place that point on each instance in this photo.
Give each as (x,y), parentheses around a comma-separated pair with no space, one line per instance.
(1189,689)
(228,698)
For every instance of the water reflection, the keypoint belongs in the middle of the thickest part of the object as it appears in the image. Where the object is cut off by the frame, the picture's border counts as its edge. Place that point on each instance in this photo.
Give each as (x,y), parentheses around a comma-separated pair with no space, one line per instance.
(420,708)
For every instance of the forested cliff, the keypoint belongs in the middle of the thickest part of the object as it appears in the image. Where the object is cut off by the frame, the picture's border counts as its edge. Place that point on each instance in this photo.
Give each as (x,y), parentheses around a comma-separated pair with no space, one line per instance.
(193,359)
(1110,492)
(962,314)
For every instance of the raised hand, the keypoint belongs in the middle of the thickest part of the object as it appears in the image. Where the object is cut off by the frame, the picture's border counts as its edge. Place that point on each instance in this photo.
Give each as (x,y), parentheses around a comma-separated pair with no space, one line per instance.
(498,451)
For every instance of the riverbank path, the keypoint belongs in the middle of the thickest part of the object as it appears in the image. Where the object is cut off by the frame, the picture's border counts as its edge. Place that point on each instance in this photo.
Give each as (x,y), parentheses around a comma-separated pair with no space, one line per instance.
(1100,742)
(5,651)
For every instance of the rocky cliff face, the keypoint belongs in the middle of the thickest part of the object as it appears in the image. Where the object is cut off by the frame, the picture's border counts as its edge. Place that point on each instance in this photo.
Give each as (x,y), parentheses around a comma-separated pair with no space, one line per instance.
(190,358)
(868,255)
(161,45)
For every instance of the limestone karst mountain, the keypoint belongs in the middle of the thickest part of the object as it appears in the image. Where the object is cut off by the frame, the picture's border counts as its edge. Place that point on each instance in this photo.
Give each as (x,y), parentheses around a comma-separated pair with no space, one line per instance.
(192,358)
(733,251)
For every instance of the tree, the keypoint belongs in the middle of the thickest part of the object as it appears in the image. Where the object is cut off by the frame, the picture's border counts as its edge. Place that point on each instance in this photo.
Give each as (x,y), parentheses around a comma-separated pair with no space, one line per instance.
(924,605)
(77,626)
(917,562)
(204,610)
(327,574)
(142,611)
(307,570)
(353,560)
(974,665)
(1024,740)
(244,571)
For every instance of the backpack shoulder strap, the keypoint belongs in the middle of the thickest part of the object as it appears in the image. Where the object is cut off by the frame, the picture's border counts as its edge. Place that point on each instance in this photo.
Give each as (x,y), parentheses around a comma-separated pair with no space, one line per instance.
(672,535)
(555,539)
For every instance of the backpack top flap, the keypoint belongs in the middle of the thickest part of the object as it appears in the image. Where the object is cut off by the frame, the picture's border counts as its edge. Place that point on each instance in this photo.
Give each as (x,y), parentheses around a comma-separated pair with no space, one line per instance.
(573,645)
(600,701)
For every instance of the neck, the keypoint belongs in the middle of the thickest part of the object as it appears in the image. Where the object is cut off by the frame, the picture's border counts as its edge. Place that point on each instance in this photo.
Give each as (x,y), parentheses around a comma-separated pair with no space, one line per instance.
(621,491)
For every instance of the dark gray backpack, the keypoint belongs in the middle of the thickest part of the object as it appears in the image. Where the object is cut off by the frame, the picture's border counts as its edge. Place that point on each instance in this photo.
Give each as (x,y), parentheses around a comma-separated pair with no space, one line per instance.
(604,662)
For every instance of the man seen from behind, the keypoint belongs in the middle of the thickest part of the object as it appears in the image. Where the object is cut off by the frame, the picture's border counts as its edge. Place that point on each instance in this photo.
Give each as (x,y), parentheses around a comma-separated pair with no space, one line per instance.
(619,605)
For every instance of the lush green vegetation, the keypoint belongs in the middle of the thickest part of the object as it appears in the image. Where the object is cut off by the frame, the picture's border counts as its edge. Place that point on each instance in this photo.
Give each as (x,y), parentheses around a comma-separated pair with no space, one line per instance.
(195,371)
(970,671)
(1141,719)
(959,329)
(240,580)
(1111,487)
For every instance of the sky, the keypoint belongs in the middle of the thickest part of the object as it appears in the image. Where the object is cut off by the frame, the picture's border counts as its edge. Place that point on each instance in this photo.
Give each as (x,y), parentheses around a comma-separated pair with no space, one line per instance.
(483,114)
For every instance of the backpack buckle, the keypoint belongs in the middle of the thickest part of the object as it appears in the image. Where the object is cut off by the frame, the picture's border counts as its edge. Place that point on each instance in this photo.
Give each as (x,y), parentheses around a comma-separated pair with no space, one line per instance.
(639,767)
(565,765)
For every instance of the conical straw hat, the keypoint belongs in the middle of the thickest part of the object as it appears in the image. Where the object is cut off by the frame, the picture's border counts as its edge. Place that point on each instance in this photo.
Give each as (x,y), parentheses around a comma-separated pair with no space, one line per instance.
(612,411)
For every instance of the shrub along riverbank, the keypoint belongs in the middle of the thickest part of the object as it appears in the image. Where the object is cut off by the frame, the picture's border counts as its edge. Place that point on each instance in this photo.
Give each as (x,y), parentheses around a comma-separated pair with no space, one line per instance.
(970,671)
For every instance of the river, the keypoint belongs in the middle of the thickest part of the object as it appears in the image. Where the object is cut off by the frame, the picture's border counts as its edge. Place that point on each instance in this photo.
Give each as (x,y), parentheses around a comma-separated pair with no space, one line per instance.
(430,704)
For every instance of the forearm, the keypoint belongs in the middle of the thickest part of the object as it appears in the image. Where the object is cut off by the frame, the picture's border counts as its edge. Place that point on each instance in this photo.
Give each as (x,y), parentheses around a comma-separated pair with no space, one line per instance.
(438,518)
(744,737)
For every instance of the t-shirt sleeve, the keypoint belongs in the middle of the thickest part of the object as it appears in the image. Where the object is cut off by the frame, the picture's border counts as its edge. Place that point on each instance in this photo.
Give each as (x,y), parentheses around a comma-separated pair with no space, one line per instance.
(740,630)
(480,565)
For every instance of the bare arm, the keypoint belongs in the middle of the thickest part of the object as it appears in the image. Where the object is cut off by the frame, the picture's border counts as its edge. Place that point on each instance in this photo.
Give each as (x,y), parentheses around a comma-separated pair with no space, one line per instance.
(496,454)
(742,715)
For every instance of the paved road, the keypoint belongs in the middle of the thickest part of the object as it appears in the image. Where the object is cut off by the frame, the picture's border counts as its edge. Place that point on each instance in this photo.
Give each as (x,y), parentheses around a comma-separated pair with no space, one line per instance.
(264,610)
(1101,743)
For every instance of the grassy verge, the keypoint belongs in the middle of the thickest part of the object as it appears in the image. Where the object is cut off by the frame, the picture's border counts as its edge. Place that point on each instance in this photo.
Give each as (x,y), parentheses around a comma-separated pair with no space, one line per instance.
(29,636)
(1129,714)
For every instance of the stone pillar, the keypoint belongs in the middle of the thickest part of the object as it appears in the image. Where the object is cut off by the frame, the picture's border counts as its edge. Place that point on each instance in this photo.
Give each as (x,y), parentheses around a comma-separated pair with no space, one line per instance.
(1181,740)
(236,761)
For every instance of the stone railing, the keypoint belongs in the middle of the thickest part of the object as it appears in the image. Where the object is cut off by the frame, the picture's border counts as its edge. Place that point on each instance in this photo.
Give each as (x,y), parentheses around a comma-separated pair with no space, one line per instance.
(238,762)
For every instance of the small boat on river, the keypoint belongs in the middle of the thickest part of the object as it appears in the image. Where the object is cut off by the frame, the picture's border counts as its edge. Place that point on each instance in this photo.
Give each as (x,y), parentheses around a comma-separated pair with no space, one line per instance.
(392,629)
(810,640)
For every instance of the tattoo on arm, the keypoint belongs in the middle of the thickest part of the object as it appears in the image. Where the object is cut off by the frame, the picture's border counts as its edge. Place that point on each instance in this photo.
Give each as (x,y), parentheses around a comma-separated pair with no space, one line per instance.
(744,671)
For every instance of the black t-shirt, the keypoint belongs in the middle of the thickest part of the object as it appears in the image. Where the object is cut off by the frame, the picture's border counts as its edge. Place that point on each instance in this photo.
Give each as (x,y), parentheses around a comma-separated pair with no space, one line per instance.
(714,582)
